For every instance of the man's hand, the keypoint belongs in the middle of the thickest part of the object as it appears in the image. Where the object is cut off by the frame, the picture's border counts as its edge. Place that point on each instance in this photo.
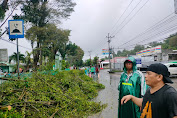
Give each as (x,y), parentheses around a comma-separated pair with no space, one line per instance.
(126,98)
(137,101)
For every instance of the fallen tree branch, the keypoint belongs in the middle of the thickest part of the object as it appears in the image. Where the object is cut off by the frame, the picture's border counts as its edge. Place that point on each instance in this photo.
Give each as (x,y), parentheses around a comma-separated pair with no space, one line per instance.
(6,107)
(54,113)
(12,79)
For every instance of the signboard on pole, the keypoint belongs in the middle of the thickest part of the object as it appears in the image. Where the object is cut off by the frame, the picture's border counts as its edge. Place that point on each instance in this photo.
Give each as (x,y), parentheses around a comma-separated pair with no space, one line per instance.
(16,29)
(106,51)
(150,51)
(138,60)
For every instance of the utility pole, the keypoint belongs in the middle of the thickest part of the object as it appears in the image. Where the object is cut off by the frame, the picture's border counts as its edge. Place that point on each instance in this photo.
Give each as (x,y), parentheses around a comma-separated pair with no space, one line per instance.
(113,56)
(90,58)
(109,40)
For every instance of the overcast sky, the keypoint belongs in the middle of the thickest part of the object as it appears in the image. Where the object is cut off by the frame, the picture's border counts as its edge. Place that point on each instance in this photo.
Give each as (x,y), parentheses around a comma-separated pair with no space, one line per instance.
(94,19)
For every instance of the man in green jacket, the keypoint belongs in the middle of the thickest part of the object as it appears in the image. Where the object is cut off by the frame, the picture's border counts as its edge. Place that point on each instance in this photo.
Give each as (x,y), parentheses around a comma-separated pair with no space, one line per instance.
(132,82)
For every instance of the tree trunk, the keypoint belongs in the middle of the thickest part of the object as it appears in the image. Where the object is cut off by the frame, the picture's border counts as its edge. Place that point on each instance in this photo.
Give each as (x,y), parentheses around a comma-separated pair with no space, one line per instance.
(40,55)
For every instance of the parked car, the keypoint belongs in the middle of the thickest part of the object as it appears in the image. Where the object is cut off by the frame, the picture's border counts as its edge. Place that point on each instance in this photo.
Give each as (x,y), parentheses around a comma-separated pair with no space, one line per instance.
(172,67)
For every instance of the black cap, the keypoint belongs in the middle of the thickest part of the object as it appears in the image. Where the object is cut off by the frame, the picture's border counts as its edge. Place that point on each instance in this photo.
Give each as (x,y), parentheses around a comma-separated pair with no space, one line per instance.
(160,69)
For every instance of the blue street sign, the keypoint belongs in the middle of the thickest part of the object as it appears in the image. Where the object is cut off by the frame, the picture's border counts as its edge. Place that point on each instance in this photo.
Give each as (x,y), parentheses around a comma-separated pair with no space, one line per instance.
(16,29)
(138,61)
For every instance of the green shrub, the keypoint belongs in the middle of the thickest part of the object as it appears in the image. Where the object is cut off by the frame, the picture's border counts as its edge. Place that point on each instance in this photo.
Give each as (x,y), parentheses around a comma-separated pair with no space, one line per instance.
(60,94)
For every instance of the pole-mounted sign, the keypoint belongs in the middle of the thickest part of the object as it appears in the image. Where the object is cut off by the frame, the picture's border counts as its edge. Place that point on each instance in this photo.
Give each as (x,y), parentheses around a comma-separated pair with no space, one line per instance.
(16,29)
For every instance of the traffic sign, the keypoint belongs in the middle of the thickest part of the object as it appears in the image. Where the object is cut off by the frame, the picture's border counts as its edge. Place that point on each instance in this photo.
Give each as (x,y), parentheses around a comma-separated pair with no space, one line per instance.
(138,61)
(16,29)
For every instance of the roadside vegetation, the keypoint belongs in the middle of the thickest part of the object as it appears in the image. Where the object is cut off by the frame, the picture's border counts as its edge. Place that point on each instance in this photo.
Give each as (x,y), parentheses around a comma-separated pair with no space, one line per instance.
(45,94)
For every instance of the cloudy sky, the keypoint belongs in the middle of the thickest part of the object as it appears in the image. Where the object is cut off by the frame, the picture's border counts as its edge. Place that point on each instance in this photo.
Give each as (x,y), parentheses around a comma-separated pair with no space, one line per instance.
(131,22)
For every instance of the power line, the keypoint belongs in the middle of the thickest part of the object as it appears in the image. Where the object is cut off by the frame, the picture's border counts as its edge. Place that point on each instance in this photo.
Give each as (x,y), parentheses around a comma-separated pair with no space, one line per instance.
(135,13)
(122,15)
(155,26)
(150,29)
(116,22)
(128,16)
(159,33)
(131,17)
(15,44)
(9,15)
(171,28)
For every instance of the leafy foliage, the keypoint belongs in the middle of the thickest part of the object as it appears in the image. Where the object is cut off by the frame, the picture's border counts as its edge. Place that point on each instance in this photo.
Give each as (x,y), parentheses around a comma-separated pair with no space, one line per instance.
(50,93)
(40,13)
(3,8)
(88,62)
(14,57)
(170,42)
(95,60)
(74,54)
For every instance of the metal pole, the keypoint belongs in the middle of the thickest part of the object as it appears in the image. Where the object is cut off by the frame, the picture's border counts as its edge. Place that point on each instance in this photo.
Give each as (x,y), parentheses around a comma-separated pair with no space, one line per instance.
(18,60)
(109,40)
(109,52)
(90,58)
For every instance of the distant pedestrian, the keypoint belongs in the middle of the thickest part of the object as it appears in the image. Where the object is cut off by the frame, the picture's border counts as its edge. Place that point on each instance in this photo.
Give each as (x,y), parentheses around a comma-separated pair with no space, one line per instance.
(160,100)
(97,71)
(75,68)
(132,82)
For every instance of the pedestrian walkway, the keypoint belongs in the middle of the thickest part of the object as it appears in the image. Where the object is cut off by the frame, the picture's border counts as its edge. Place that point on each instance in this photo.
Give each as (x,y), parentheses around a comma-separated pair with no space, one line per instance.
(109,95)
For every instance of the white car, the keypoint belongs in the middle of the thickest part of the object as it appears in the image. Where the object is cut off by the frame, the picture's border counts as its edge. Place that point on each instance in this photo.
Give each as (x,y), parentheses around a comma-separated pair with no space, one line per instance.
(172,68)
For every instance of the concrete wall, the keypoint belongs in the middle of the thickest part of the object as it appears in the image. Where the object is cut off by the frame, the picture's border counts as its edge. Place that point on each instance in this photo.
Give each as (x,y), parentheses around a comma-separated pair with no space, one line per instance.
(3,55)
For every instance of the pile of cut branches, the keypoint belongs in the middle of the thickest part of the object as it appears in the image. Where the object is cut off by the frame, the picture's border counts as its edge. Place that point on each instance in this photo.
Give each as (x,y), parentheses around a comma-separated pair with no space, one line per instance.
(64,94)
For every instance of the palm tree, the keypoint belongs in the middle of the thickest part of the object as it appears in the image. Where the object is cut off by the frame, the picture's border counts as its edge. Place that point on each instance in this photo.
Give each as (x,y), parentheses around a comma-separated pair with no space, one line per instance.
(14,57)
(28,60)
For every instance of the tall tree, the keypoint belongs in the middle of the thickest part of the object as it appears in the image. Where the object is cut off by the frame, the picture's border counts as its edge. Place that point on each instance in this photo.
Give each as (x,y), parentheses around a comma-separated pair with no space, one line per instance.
(3,8)
(87,62)
(155,43)
(28,59)
(75,54)
(42,12)
(53,39)
(95,60)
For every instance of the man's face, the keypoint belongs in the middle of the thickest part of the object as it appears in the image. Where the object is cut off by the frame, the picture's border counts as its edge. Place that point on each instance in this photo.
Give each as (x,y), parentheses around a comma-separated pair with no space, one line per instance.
(151,78)
(129,66)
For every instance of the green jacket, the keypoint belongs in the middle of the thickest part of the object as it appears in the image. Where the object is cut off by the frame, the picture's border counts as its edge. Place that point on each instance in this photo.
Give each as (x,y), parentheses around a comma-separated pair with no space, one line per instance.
(132,84)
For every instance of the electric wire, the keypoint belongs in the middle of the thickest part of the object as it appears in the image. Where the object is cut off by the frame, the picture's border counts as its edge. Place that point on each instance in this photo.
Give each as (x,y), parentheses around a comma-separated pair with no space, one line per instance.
(15,44)
(122,15)
(174,28)
(155,35)
(131,18)
(134,14)
(9,15)
(154,26)
(157,25)
(169,29)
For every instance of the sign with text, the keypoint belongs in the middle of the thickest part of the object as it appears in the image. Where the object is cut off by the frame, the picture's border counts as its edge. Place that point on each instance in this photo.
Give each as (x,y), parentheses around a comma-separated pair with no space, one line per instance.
(150,51)
(105,51)
(16,29)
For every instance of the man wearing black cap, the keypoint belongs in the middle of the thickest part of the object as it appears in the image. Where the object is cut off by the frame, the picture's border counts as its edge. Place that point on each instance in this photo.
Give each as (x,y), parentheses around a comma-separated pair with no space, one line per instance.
(160,100)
